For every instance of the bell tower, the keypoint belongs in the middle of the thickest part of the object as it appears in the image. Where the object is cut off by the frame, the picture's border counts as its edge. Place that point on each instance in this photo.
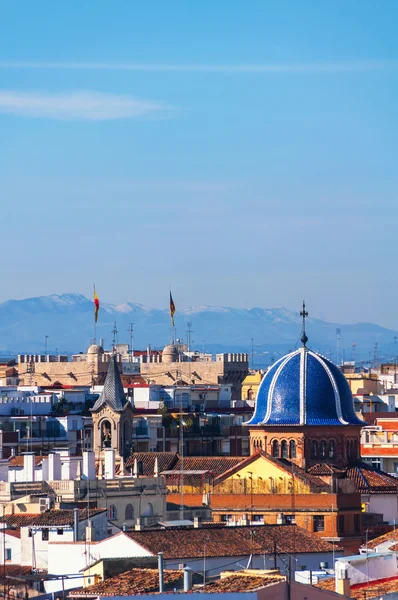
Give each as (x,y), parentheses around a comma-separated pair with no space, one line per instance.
(112,416)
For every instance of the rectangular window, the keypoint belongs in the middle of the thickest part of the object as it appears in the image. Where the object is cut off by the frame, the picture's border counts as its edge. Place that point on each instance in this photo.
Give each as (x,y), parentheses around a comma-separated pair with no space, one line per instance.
(226,518)
(341,523)
(290,519)
(60,532)
(8,553)
(357,523)
(44,535)
(319,523)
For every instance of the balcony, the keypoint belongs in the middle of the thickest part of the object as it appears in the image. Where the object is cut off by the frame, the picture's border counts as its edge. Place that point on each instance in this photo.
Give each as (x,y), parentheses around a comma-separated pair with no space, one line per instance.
(141,432)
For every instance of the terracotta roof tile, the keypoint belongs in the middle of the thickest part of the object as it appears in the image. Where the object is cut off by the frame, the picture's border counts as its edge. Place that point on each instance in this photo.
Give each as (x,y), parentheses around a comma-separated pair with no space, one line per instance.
(166,461)
(48,518)
(130,583)
(229,541)
(240,583)
(390,536)
(324,470)
(216,464)
(17,461)
(375,589)
(367,479)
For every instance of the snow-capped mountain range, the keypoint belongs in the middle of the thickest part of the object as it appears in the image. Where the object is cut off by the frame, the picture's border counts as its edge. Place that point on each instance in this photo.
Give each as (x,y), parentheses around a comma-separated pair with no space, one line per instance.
(67,320)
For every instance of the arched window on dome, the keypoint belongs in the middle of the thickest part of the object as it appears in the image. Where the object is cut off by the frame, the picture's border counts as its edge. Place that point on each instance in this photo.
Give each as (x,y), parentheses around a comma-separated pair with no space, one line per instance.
(284,449)
(292,449)
(322,449)
(332,449)
(275,449)
(314,449)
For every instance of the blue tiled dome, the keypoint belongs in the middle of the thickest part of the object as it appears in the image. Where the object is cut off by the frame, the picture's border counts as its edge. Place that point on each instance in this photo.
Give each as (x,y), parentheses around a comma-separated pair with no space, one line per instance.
(304,388)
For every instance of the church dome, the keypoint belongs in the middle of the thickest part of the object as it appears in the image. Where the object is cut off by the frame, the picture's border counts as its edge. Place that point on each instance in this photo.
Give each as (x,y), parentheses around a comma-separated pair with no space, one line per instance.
(304,388)
(170,353)
(95,349)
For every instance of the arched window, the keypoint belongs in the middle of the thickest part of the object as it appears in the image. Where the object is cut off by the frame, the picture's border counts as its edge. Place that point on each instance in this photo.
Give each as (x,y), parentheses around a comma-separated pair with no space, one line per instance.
(284,449)
(129,512)
(148,510)
(275,449)
(112,512)
(250,394)
(106,434)
(322,447)
(314,449)
(332,449)
(292,449)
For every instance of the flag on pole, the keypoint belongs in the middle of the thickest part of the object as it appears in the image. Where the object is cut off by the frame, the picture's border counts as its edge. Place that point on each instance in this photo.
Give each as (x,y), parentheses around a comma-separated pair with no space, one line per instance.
(172,309)
(96,305)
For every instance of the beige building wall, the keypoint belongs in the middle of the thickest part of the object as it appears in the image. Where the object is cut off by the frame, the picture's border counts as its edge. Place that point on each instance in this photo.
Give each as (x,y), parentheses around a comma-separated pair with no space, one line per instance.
(227,368)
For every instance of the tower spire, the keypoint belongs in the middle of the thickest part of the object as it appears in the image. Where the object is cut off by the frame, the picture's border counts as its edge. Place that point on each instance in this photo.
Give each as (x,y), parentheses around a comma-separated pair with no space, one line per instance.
(304,314)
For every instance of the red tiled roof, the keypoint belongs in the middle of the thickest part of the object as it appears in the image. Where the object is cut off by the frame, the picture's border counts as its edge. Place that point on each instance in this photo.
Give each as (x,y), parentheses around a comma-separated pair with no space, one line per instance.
(13,532)
(17,571)
(324,470)
(238,583)
(369,480)
(188,542)
(390,536)
(373,589)
(49,518)
(131,583)
(17,461)
(166,461)
(215,464)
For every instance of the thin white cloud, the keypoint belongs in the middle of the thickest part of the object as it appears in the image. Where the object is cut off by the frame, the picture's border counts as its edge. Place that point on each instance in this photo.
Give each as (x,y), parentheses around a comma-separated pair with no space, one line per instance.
(320,67)
(86,105)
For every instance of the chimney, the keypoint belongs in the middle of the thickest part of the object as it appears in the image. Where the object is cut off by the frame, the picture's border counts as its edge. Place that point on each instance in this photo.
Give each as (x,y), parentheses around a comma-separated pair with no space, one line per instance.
(54,467)
(187,579)
(138,525)
(75,524)
(89,532)
(29,466)
(280,519)
(88,465)
(161,572)
(109,463)
(156,467)
(244,520)
(135,469)
(342,579)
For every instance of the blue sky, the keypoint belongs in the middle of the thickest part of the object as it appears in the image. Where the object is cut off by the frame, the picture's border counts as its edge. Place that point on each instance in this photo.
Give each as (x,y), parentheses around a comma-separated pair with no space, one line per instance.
(242,152)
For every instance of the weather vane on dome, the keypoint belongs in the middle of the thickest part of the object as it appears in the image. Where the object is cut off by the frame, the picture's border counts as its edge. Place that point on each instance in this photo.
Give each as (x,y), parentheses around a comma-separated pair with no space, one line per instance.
(304,314)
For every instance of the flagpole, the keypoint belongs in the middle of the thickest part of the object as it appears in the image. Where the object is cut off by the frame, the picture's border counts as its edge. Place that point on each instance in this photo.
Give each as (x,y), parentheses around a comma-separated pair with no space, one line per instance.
(95,322)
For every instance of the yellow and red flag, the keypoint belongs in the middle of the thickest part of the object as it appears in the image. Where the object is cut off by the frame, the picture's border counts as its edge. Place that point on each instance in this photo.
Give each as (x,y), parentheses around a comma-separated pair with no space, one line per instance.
(96,305)
(172,309)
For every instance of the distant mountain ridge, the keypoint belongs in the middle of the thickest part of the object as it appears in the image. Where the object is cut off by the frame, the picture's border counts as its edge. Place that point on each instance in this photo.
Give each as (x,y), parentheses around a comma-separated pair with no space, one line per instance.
(67,320)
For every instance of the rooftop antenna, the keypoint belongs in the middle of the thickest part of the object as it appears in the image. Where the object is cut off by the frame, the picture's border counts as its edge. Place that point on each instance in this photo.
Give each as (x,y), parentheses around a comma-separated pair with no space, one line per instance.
(114,331)
(131,332)
(304,314)
(45,344)
(376,355)
(189,331)
(338,336)
(253,354)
